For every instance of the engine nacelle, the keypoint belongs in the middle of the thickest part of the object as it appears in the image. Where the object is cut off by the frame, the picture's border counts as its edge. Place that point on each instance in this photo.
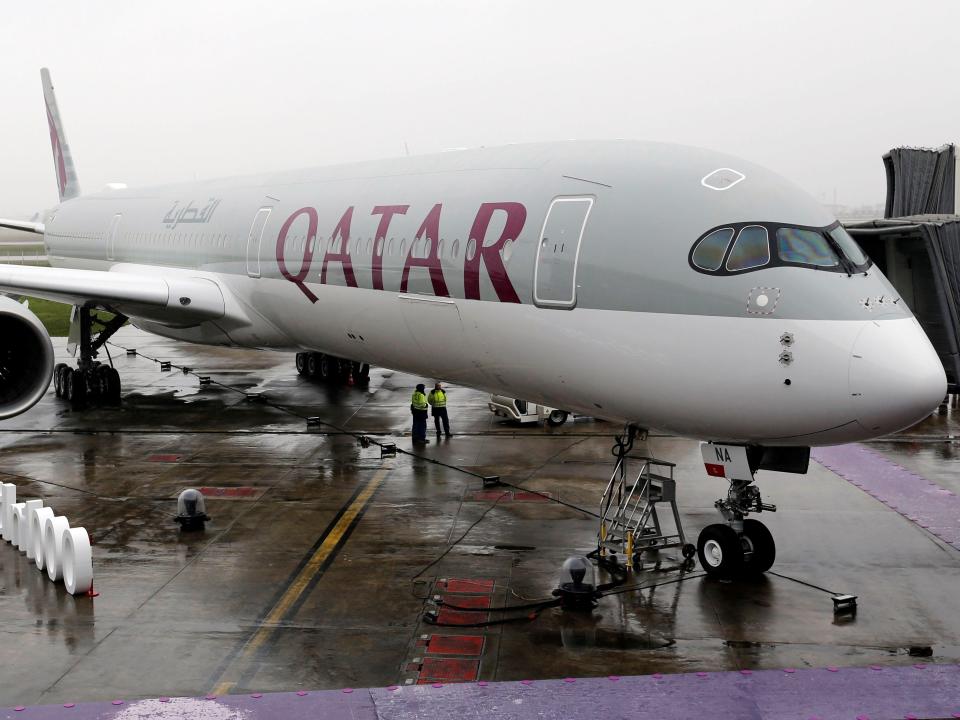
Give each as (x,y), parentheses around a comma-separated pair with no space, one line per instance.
(26,358)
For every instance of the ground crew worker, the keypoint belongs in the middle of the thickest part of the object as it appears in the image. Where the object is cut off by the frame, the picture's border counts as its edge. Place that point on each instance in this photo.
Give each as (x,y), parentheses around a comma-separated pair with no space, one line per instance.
(418,407)
(438,401)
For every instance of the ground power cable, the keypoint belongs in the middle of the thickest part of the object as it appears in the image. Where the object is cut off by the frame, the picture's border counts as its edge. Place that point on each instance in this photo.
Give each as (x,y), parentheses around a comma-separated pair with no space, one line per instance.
(91,493)
(363,438)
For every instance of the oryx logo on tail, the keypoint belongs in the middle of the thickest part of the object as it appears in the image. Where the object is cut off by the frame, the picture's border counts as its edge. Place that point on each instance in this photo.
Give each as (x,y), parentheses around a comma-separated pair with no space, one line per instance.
(67,184)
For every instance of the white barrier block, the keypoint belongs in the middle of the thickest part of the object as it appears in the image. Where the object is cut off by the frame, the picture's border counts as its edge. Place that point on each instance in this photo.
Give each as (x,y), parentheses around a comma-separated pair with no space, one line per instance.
(77,561)
(23,533)
(8,496)
(37,520)
(53,530)
(16,513)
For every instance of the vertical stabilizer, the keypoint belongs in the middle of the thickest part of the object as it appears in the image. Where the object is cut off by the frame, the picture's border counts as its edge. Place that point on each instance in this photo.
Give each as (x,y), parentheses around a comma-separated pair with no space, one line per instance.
(62,159)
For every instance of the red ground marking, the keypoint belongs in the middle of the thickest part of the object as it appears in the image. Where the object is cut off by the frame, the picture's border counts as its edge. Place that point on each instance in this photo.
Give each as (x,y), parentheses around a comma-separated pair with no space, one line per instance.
(461,617)
(229,492)
(467,601)
(491,495)
(531,497)
(164,458)
(449,669)
(455,645)
(476,586)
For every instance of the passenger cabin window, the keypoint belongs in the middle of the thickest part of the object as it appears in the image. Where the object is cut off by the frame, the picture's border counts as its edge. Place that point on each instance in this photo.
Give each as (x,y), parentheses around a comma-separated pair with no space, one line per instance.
(751,249)
(712,249)
(805,247)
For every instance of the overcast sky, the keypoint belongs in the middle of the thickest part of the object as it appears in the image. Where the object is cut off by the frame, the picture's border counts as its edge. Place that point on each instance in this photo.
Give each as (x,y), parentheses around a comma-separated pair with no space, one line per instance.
(161,92)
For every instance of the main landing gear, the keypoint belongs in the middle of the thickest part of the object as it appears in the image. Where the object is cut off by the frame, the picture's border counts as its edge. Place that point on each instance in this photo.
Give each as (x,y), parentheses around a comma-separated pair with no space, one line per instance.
(91,382)
(741,546)
(328,368)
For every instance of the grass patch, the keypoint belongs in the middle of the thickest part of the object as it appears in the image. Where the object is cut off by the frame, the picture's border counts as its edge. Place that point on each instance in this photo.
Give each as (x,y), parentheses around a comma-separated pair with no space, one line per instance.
(55,316)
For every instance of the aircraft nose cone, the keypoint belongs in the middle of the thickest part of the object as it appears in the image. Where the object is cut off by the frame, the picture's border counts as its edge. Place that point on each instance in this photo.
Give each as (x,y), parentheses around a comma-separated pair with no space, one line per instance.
(896,378)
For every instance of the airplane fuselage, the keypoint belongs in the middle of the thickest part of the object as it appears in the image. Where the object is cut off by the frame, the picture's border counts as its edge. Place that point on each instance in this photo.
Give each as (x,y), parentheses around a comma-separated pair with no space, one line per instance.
(562,273)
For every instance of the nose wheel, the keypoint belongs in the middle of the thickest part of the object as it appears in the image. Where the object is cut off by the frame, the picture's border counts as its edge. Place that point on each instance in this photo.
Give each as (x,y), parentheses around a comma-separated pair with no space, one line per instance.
(740,546)
(725,553)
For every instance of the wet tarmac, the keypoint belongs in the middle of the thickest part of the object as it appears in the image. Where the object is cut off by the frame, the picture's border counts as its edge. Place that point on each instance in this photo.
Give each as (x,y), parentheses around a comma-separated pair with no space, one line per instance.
(322,557)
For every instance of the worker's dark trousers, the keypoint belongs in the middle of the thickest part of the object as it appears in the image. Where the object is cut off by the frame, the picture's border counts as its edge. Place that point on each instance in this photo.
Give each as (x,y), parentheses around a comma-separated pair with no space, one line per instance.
(419,425)
(438,415)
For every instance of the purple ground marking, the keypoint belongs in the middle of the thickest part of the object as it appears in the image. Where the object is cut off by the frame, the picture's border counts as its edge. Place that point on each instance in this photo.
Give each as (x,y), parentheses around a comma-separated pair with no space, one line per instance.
(891,692)
(930,506)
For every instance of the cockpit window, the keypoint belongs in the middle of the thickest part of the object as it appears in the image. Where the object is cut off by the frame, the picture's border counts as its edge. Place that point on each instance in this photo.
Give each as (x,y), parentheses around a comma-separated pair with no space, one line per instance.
(805,247)
(849,246)
(710,251)
(750,250)
(738,247)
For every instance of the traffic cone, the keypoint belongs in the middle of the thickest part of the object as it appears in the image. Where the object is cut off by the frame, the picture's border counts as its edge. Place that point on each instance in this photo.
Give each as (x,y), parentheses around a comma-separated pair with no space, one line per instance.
(350,378)
(91,593)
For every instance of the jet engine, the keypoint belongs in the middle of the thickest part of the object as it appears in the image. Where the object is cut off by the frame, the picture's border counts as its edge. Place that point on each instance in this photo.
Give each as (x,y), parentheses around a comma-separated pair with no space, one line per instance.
(26,358)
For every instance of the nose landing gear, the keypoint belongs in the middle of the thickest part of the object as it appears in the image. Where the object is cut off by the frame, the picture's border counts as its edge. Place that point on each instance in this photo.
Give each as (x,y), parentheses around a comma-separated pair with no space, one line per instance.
(741,546)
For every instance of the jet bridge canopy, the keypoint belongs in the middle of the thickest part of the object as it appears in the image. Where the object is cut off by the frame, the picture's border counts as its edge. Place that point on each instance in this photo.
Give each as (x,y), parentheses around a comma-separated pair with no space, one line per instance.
(920,255)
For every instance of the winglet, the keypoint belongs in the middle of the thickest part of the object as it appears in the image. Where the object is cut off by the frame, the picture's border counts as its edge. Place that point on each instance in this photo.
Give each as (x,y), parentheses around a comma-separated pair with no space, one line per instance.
(62,159)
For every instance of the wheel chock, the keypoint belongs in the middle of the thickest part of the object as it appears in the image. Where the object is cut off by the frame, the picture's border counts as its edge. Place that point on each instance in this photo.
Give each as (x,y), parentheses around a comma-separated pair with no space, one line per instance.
(491,481)
(388,450)
(204,380)
(131,352)
(165,366)
(844,604)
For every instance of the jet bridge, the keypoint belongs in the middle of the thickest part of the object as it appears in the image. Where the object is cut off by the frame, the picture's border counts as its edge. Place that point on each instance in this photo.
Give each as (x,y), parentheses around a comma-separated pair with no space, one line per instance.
(917,244)
(920,255)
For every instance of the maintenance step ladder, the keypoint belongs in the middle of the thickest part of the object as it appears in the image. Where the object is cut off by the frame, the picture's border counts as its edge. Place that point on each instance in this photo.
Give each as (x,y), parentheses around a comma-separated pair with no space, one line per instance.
(629,523)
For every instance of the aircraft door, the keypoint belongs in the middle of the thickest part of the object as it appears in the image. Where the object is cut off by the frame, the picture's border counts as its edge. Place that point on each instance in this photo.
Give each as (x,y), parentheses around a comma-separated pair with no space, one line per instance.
(112,236)
(254,239)
(555,272)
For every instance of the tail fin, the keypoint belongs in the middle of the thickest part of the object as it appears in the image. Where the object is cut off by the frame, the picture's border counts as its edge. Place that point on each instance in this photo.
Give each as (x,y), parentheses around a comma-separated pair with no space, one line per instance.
(62,159)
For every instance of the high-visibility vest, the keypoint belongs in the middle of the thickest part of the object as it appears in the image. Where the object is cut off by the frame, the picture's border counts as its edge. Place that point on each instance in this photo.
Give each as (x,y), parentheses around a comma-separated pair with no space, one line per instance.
(438,398)
(419,400)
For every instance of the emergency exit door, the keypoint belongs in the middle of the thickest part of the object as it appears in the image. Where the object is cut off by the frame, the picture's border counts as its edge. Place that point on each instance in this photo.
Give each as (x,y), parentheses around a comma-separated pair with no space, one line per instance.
(254,239)
(555,272)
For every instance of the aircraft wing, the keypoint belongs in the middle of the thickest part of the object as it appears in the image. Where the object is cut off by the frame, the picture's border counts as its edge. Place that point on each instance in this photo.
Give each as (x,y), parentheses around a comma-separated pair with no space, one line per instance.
(23,225)
(168,298)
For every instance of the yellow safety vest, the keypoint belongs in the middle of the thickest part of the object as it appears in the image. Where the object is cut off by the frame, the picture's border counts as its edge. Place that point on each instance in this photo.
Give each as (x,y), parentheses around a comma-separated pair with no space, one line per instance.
(438,398)
(419,400)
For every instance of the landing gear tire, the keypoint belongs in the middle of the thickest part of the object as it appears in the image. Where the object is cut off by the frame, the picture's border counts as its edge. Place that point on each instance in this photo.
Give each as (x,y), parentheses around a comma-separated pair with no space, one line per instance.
(760,547)
(58,375)
(313,364)
(325,364)
(557,418)
(720,551)
(113,388)
(101,382)
(302,368)
(76,388)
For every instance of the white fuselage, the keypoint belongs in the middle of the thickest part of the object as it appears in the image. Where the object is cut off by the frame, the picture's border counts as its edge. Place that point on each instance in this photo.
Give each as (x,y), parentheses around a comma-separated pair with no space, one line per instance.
(645,339)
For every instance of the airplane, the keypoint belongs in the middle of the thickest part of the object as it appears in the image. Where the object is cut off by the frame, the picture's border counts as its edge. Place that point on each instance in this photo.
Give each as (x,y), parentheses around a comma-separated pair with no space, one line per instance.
(657,285)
